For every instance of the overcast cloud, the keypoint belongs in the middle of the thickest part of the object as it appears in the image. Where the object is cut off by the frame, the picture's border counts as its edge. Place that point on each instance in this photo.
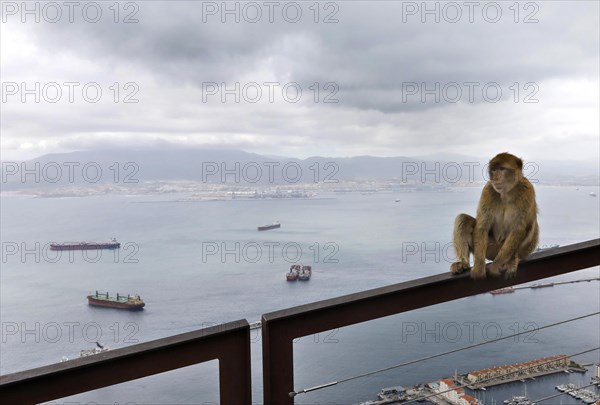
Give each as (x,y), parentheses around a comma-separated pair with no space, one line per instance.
(371,65)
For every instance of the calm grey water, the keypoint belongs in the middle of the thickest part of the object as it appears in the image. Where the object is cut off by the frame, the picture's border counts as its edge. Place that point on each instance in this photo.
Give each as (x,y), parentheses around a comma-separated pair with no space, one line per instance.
(198,264)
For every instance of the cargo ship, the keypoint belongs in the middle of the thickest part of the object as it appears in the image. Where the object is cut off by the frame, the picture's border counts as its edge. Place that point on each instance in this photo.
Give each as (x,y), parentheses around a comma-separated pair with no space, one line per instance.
(121,302)
(292,275)
(305,273)
(274,225)
(113,244)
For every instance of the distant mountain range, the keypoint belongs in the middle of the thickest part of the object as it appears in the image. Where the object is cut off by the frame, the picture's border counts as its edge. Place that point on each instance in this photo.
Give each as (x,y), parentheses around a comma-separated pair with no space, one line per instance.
(214,166)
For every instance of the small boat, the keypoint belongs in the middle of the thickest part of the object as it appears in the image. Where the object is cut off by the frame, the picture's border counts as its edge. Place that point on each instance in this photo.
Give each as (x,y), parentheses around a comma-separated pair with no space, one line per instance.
(507,290)
(520,400)
(592,194)
(112,244)
(305,273)
(121,302)
(292,275)
(90,352)
(274,225)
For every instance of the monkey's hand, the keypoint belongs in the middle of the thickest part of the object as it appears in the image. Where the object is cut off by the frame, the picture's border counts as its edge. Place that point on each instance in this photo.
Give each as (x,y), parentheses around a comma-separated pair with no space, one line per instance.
(478,271)
(459,267)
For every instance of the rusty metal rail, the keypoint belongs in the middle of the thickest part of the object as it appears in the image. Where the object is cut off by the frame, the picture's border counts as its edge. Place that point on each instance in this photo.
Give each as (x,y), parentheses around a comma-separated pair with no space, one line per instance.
(229,343)
(279,328)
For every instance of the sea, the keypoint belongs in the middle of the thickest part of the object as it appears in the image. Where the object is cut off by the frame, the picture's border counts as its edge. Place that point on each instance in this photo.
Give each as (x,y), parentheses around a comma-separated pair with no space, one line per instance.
(203,263)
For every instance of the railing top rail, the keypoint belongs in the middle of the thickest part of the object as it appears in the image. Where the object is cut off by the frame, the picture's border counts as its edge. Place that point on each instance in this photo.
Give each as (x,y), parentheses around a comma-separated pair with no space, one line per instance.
(529,270)
(125,353)
(229,343)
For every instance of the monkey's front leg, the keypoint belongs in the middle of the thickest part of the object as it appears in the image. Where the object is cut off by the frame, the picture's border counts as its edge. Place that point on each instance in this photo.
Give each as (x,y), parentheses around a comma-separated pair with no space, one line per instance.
(480,236)
(507,260)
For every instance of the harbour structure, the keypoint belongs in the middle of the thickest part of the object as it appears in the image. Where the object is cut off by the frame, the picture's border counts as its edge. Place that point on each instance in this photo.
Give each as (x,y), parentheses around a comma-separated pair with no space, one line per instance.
(455,394)
(502,374)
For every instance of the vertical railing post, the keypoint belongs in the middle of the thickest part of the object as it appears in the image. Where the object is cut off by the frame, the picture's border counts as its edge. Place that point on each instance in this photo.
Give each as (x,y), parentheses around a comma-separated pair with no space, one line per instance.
(235,380)
(278,363)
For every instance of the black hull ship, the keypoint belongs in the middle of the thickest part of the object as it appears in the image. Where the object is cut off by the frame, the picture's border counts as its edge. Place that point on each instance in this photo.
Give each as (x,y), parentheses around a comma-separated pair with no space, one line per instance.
(113,244)
(274,225)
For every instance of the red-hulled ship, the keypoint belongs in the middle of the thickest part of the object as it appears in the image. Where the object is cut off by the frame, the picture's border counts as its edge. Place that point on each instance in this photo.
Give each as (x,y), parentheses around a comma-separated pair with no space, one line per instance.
(113,244)
(506,290)
(120,302)
(292,275)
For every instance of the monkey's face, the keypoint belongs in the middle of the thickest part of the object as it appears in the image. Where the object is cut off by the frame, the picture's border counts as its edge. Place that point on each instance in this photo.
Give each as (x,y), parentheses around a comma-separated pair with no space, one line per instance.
(504,171)
(502,178)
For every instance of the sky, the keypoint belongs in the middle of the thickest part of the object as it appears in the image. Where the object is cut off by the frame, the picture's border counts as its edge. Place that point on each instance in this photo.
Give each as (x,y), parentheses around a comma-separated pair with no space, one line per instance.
(300,79)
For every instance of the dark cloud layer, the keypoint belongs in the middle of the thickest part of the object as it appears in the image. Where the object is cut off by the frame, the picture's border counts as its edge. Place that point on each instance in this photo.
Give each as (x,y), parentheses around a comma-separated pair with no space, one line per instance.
(372,58)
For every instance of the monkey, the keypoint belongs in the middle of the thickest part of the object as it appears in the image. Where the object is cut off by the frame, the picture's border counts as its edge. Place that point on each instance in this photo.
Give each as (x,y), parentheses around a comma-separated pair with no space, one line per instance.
(505,229)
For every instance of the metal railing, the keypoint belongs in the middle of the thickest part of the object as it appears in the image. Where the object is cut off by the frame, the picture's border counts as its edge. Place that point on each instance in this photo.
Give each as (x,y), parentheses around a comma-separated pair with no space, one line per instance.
(280,328)
(230,343)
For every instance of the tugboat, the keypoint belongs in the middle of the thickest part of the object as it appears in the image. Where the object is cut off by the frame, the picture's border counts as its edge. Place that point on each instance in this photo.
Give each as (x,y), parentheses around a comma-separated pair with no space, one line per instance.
(131,302)
(305,273)
(292,275)
(113,244)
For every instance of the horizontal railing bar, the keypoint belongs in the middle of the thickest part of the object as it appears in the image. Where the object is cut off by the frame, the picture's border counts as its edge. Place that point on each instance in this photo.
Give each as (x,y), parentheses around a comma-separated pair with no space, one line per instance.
(229,343)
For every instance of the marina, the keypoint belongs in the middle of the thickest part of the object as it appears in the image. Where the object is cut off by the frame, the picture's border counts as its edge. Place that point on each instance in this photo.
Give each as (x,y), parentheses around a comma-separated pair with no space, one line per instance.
(459,390)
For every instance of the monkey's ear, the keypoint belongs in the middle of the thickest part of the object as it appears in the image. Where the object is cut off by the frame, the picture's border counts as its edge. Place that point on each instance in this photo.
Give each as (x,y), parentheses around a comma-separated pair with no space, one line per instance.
(520,163)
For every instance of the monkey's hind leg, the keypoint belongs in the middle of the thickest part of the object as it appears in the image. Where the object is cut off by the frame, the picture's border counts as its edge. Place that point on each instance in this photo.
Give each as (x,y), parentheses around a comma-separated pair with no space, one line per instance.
(463,242)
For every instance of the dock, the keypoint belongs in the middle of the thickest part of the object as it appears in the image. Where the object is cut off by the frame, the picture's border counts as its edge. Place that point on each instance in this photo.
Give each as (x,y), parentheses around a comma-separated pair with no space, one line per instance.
(536,286)
(542,285)
(523,372)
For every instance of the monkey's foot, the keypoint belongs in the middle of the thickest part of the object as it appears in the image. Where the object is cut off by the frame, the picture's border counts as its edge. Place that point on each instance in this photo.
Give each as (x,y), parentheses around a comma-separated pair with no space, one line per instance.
(510,273)
(459,267)
(496,269)
(478,272)
(511,268)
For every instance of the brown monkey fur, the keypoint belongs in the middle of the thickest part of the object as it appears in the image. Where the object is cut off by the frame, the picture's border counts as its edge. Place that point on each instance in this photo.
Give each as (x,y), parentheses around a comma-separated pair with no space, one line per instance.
(505,229)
